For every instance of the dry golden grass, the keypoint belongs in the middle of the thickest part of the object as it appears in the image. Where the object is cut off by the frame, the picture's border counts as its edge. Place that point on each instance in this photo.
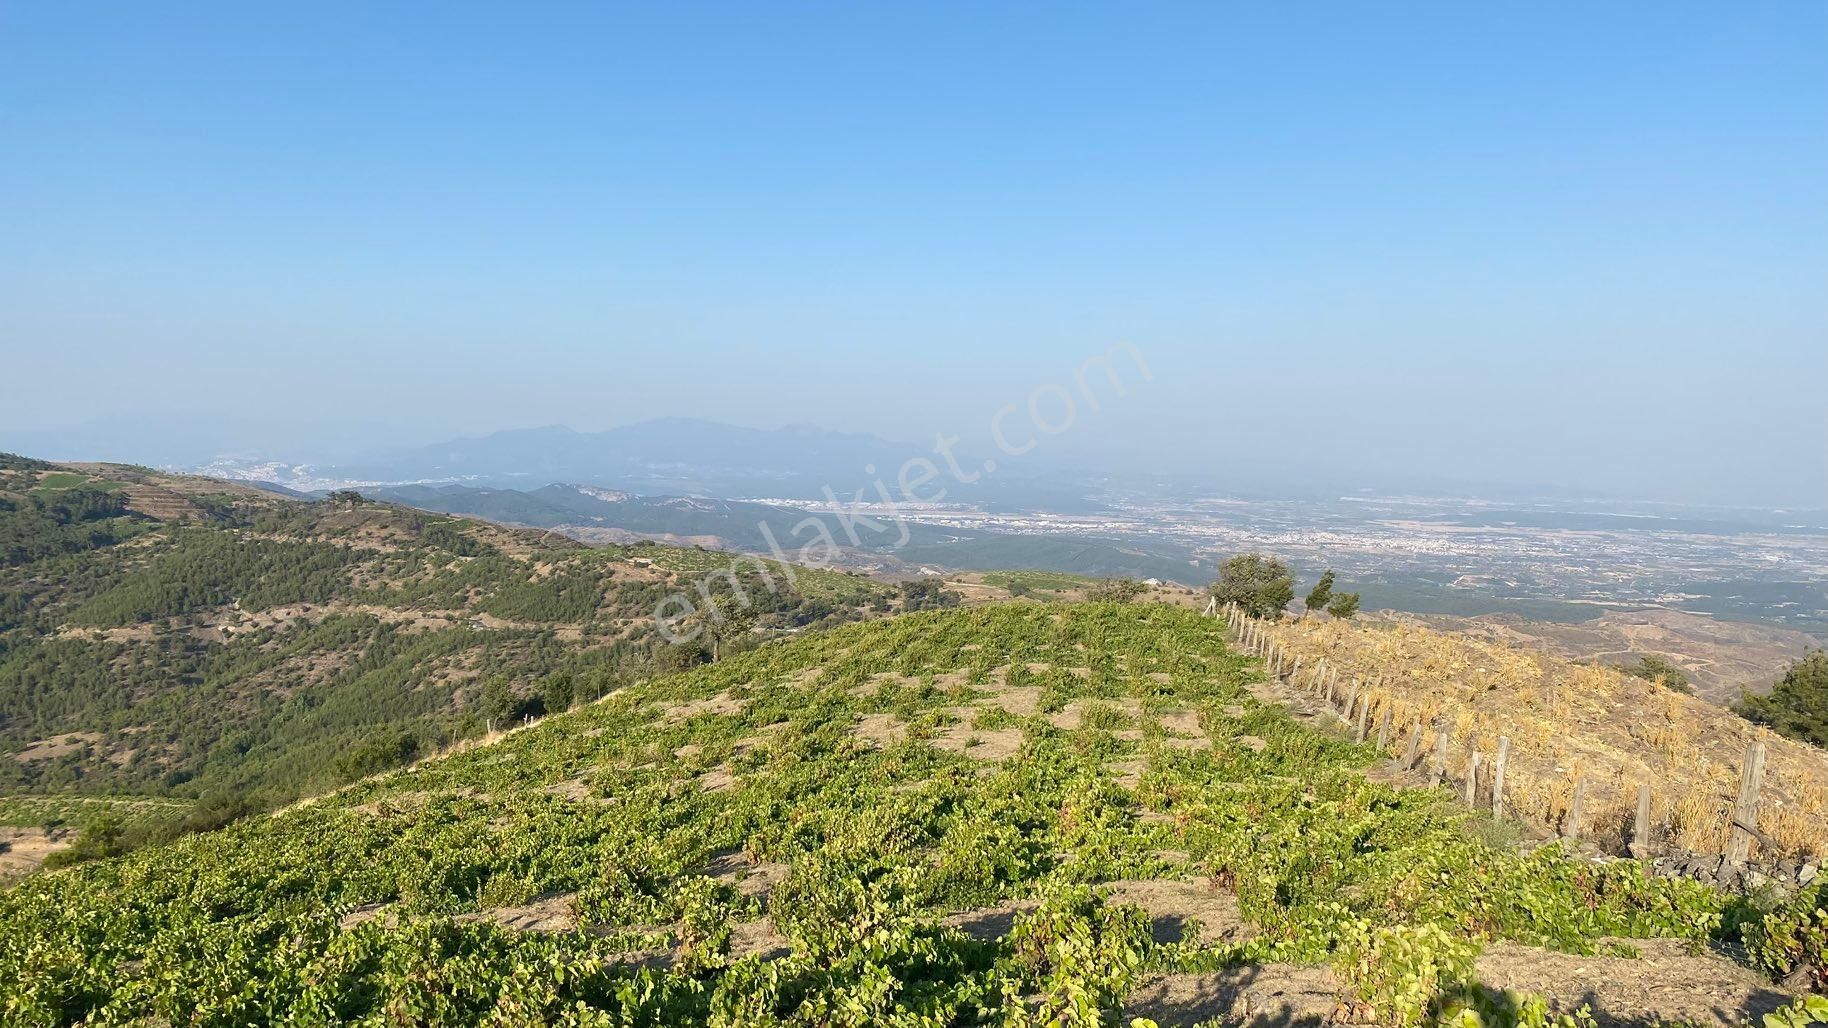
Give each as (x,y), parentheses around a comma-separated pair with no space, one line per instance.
(1567,721)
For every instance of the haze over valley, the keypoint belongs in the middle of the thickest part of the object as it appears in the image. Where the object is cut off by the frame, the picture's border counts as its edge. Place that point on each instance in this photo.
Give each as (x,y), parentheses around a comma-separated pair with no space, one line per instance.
(1565,558)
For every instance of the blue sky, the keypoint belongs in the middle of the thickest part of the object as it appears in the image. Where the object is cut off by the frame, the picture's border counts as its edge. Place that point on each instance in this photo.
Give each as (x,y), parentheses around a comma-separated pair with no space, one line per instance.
(1581,244)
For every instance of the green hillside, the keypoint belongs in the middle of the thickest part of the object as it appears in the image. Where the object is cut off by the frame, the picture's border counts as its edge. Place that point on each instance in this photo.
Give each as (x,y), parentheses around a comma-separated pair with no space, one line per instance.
(178,637)
(1019,814)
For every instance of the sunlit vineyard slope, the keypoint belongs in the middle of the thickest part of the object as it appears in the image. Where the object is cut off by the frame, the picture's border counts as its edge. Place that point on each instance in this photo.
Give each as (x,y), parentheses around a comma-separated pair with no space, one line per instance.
(1019,814)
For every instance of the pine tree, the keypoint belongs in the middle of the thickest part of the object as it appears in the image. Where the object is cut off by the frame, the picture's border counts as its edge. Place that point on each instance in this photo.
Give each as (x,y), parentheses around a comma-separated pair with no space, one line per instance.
(1322,592)
(497,703)
(1797,705)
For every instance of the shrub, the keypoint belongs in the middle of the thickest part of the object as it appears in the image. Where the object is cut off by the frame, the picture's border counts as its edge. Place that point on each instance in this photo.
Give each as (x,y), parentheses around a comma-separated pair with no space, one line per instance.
(1115,590)
(1258,583)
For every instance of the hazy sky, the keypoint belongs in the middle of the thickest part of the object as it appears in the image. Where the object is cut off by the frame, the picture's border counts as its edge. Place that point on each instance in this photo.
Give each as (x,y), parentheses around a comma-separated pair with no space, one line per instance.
(1583,244)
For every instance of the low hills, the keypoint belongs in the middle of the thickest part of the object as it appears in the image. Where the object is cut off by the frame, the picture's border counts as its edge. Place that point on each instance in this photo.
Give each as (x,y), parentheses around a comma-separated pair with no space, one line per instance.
(171,636)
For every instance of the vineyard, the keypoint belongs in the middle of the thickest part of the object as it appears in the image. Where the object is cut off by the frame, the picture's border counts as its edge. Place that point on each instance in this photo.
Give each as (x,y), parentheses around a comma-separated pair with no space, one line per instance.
(1567,726)
(1018,814)
(132,811)
(821,583)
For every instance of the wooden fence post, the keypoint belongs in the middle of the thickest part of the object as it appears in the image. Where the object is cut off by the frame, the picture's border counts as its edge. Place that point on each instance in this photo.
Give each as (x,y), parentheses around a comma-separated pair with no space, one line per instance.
(1364,715)
(1640,826)
(1383,730)
(1414,750)
(1472,779)
(1440,756)
(1570,829)
(1745,812)
(1504,756)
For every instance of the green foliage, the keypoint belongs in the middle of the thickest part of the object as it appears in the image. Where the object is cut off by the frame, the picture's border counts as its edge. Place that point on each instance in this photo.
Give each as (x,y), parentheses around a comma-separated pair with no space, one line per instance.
(1256,582)
(1400,972)
(1079,955)
(558,692)
(70,520)
(498,704)
(15,462)
(273,648)
(822,584)
(447,536)
(134,812)
(1045,585)
(1653,667)
(387,748)
(103,837)
(1321,593)
(1480,1008)
(1802,1012)
(1797,705)
(1792,940)
(611,806)
(1343,606)
(926,594)
(1116,590)
(204,568)
(61,480)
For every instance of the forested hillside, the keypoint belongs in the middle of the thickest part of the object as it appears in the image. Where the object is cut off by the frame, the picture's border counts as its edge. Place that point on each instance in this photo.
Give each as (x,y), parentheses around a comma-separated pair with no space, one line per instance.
(1021,814)
(181,637)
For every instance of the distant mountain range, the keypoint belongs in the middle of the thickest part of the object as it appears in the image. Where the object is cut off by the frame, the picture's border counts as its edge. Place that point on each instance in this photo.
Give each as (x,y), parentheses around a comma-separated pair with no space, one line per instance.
(688,481)
(698,457)
(678,456)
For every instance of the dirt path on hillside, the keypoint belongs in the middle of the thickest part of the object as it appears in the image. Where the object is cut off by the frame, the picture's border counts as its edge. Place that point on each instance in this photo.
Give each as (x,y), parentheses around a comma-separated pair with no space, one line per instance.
(23,850)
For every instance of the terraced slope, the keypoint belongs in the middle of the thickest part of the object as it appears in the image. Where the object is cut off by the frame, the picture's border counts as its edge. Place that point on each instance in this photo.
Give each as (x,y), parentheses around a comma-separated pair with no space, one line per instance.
(1015,814)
